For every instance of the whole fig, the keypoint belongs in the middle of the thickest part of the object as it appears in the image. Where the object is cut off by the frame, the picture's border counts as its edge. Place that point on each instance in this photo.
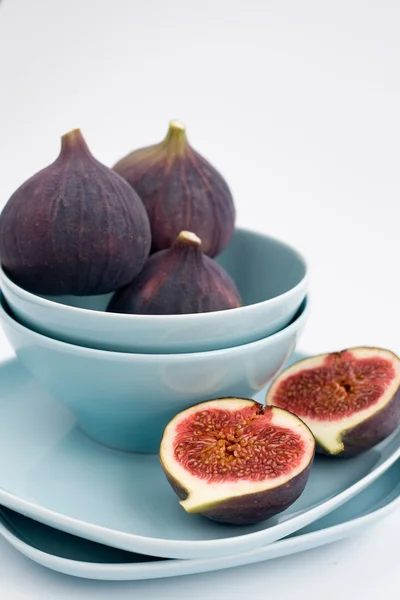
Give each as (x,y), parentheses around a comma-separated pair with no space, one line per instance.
(76,227)
(179,280)
(181,190)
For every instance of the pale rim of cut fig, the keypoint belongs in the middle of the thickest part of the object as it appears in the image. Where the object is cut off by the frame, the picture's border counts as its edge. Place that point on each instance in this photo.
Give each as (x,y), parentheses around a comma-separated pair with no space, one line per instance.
(329,434)
(202,493)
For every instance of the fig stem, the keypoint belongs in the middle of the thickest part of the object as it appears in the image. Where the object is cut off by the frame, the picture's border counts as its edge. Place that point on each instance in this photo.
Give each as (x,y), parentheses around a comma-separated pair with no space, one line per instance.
(176,140)
(177,125)
(72,141)
(189,238)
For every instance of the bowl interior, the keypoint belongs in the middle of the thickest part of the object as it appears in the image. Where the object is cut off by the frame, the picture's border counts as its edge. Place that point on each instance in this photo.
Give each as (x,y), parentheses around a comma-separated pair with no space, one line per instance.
(262,268)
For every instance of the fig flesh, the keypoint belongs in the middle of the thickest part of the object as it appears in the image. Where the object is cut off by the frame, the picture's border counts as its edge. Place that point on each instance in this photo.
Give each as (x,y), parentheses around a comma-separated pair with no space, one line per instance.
(235,461)
(76,227)
(179,280)
(350,399)
(181,190)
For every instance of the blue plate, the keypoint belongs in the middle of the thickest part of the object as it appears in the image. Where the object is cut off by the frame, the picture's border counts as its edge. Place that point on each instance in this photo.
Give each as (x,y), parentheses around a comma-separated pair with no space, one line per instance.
(53,473)
(79,557)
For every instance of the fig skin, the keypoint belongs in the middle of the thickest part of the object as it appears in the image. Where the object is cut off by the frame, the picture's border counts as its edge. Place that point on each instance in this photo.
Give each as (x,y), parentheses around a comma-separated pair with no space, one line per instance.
(75,227)
(179,280)
(180,190)
(252,507)
(373,431)
(366,433)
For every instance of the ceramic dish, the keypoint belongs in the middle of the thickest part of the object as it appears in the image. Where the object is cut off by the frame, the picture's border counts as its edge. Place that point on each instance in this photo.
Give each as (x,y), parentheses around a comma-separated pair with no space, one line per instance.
(76,556)
(125,400)
(271,277)
(51,472)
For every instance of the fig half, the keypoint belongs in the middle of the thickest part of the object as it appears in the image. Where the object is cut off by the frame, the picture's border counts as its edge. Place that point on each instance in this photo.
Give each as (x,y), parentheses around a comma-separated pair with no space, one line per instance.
(235,461)
(350,399)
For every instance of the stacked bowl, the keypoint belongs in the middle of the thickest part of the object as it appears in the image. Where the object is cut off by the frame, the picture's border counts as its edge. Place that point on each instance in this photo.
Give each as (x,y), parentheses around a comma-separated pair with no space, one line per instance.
(125,376)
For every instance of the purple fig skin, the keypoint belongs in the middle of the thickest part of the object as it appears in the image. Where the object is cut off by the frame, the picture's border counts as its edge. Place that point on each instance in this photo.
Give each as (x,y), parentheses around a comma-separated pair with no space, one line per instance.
(76,227)
(372,431)
(180,190)
(179,280)
(250,509)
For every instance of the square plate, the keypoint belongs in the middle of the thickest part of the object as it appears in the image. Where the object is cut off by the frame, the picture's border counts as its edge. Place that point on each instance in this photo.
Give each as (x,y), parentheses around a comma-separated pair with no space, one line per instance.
(51,472)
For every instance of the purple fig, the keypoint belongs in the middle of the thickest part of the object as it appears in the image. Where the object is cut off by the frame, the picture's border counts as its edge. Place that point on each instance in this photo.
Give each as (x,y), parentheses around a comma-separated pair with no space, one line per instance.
(181,190)
(76,227)
(179,280)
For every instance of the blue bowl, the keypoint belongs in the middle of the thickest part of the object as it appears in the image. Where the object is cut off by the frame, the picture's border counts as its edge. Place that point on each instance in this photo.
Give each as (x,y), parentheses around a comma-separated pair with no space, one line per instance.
(271,277)
(125,400)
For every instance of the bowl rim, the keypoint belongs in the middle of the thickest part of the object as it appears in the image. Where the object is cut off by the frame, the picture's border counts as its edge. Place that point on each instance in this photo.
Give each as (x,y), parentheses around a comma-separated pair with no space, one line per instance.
(124,317)
(301,317)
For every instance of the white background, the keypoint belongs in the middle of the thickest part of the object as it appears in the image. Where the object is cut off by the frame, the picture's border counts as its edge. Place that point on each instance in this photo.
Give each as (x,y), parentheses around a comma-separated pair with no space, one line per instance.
(297,103)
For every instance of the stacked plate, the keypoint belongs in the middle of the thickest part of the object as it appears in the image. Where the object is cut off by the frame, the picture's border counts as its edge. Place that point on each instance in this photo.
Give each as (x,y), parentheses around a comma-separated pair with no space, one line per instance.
(87,386)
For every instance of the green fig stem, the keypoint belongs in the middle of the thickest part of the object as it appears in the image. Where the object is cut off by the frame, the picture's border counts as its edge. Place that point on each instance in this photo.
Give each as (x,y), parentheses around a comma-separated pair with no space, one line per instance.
(73,141)
(176,140)
(188,238)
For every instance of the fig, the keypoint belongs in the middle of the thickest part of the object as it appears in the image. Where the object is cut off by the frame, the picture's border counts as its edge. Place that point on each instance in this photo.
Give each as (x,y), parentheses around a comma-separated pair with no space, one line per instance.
(181,191)
(235,461)
(350,399)
(76,227)
(179,280)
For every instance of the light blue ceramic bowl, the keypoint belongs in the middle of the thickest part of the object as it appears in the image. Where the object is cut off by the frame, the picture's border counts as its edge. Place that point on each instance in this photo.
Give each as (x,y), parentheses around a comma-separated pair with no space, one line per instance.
(125,400)
(271,277)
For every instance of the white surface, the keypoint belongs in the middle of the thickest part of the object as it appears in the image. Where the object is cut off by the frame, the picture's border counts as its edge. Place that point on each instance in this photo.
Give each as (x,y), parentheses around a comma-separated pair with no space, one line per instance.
(297,103)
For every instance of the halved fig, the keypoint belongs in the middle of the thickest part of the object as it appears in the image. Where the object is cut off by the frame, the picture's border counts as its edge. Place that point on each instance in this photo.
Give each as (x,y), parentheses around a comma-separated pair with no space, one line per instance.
(236,461)
(350,399)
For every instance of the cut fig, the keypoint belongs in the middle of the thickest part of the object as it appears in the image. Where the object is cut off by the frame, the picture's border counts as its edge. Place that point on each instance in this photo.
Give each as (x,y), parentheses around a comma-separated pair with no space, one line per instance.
(236,461)
(350,399)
